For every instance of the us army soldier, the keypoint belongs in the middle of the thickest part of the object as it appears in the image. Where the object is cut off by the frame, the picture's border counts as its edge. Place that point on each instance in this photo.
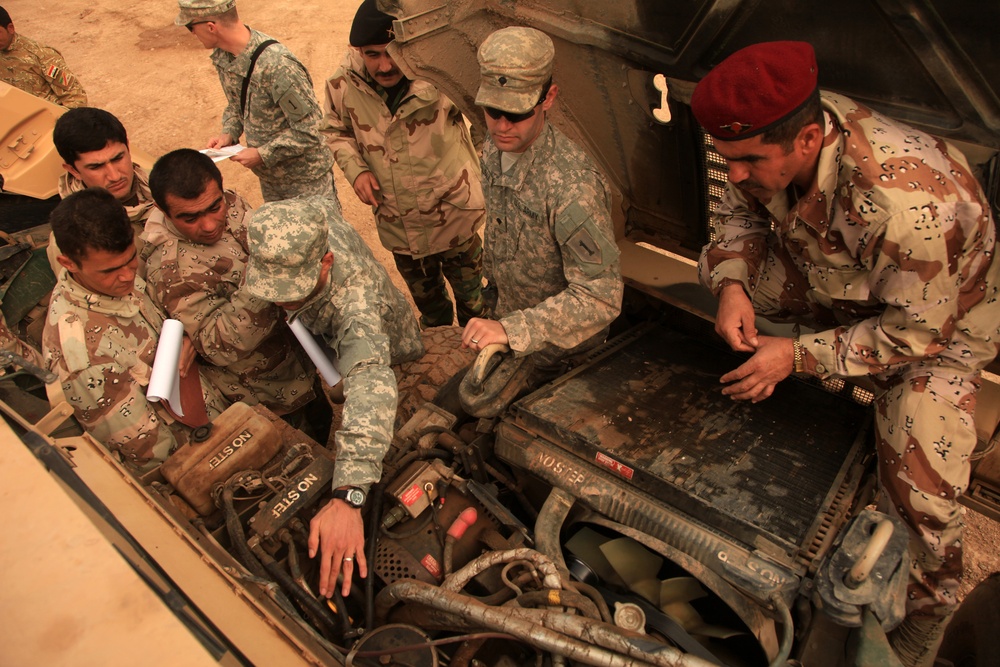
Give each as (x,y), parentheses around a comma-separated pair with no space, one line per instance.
(276,110)
(550,245)
(308,260)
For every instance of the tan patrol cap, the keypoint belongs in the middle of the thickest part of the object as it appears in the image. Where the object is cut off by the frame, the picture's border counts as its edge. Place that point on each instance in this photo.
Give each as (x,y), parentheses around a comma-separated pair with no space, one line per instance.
(515,64)
(199,10)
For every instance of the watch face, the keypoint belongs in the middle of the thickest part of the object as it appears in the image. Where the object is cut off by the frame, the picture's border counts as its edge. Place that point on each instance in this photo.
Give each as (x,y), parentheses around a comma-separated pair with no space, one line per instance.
(355,497)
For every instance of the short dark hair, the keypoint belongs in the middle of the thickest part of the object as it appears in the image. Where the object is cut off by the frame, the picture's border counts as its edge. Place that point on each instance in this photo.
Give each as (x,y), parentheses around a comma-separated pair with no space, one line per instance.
(5,19)
(784,133)
(86,129)
(228,17)
(183,173)
(90,219)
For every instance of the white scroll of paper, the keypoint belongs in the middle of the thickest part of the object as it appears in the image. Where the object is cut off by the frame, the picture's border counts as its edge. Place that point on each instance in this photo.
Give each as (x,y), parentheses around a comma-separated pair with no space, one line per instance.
(316,352)
(165,380)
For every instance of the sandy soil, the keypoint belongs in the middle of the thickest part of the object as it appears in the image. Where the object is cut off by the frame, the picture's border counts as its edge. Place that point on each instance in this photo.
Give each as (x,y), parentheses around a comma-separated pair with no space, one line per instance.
(158,80)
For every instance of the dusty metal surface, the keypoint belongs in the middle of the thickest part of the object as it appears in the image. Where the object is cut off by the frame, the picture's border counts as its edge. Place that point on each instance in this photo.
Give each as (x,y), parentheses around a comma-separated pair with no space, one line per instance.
(29,163)
(652,413)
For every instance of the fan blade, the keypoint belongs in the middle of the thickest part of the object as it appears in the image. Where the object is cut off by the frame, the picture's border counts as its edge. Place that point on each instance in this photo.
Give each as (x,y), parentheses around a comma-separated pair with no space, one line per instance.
(680,589)
(586,545)
(637,566)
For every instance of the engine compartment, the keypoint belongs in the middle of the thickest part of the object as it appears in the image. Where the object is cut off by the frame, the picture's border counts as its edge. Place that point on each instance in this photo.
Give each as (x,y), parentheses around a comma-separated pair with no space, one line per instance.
(599,520)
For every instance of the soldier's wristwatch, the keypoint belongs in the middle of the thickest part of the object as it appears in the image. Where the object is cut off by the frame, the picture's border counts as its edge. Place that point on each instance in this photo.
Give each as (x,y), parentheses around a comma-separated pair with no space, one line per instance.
(351,495)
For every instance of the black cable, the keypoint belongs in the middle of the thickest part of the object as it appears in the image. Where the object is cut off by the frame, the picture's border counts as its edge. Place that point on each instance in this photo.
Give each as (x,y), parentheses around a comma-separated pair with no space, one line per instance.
(374,519)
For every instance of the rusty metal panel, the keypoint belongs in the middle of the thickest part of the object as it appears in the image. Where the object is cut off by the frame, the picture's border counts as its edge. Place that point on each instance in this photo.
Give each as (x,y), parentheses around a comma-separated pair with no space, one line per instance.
(651,413)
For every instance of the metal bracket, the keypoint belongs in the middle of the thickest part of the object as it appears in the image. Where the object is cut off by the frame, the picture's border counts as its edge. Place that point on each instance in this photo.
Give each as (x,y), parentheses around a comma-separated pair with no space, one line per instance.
(413,27)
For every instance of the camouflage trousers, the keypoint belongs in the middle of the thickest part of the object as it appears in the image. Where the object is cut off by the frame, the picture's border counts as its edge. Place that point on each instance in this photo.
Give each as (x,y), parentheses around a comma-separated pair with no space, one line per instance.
(279,185)
(924,436)
(462,267)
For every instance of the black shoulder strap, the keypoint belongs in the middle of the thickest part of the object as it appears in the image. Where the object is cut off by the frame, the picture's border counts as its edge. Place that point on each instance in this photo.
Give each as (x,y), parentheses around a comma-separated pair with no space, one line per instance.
(246,80)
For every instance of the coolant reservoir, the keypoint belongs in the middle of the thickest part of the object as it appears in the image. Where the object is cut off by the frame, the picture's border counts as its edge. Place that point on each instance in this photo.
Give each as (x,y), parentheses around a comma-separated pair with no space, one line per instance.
(239,439)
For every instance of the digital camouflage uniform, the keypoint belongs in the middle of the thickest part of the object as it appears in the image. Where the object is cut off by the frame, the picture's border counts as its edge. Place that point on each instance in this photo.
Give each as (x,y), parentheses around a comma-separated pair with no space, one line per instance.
(139,206)
(360,314)
(890,254)
(41,71)
(550,249)
(103,348)
(254,357)
(428,171)
(281,120)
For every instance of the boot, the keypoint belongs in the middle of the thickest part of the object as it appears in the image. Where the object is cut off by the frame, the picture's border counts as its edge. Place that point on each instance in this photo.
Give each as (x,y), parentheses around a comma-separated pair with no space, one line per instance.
(917,639)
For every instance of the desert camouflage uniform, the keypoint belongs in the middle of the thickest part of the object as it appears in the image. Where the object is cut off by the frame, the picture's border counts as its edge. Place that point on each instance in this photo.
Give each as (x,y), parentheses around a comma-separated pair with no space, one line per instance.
(41,71)
(550,249)
(367,322)
(431,203)
(103,348)
(139,206)
(253,355)
(281,120)
(890,251)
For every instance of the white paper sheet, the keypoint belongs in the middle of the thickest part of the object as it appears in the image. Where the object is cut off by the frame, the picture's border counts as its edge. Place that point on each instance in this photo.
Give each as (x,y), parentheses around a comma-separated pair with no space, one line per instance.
(165,380)
(220,154)
(316,352)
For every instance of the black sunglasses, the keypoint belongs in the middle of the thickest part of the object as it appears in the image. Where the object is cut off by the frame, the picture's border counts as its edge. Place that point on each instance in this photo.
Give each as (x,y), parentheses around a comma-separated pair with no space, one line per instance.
(497,114)
(190,26)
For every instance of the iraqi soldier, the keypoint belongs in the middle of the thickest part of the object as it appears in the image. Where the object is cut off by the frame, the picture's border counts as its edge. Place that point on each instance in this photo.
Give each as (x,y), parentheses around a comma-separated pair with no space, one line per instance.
(101,333)
(36,68)
(550,245)
(197,246)
(270,101)
(878,237)
(308,260)
(94,147)
(407,151)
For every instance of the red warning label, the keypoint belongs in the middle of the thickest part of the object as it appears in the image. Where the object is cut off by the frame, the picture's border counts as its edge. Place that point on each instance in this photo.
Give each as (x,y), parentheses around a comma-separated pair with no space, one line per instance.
(431,565)
(411,495)
(615,466)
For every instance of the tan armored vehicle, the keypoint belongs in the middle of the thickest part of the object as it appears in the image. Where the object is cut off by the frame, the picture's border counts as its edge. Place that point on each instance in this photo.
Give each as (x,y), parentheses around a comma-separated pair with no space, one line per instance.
(625,513)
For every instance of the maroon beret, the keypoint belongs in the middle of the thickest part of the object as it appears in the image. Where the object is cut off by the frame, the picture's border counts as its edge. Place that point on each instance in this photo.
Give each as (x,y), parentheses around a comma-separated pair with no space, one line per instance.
(754,89)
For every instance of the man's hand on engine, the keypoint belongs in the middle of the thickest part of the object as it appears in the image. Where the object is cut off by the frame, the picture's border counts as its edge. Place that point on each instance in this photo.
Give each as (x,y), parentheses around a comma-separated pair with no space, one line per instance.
(337,533)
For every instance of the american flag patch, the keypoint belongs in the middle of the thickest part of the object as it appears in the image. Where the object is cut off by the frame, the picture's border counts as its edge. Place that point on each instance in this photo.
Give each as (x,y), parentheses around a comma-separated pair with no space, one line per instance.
(57,75)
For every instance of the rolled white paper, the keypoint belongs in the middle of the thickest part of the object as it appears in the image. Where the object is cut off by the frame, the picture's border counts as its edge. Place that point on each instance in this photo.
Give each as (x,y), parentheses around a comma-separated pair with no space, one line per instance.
(316,352)
(165,380)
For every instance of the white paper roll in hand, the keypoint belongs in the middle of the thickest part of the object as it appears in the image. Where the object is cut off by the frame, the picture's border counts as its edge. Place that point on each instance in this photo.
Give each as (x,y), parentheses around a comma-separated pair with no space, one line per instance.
(316,352)
(165,379)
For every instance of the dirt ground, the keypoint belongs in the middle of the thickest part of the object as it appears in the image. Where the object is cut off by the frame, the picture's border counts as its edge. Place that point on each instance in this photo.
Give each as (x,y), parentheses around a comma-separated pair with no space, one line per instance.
(157,78)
